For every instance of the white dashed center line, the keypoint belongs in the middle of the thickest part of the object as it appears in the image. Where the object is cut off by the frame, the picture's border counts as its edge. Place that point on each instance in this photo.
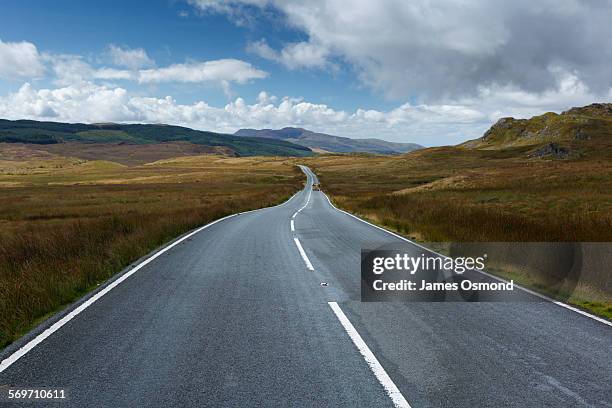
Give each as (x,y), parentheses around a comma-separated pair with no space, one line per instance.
(303,253)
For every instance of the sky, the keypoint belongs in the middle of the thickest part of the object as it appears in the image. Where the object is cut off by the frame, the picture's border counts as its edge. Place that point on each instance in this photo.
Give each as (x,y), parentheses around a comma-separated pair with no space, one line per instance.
(429,72)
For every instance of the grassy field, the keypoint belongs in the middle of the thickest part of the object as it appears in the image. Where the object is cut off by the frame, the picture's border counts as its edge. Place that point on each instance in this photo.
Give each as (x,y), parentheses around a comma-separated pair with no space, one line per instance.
(67,225)
(451,194)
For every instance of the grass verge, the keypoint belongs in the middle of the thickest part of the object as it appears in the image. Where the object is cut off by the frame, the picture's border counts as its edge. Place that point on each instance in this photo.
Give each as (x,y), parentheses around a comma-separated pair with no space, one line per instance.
(58,241)
(457,195)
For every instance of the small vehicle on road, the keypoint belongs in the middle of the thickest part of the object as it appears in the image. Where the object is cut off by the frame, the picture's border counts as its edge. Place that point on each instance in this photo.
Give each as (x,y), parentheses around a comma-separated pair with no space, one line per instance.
(316,187)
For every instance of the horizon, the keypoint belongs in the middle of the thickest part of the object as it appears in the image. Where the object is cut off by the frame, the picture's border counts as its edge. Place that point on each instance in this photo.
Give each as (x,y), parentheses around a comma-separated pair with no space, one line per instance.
(170,124)
(222,66)
(287,127)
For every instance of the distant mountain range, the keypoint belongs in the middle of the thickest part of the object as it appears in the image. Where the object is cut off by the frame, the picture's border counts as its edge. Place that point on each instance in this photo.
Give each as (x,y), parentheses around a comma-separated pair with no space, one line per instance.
(51,133)
(321,142)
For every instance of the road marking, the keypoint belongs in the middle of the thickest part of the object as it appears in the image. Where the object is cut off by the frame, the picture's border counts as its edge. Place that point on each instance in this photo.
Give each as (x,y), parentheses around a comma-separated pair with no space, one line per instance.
(378,370)
(304,206)
(307,201)
(7,362)
(301,208)
(297,241)
(303,253)
(541,296)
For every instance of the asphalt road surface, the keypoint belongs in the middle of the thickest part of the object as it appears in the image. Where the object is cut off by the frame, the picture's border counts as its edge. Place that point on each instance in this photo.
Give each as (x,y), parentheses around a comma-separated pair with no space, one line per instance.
(263,309)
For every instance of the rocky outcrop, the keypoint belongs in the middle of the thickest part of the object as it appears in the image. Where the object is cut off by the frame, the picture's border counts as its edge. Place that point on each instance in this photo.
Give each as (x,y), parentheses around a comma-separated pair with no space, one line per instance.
(577,127)
(594,109)
(551,150)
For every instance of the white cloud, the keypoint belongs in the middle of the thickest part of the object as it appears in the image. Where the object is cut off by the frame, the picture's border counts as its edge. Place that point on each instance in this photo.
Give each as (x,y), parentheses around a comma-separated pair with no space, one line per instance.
(20,60)
(223,70)
(224,5)
(264,98)
(293,55)
(69,69)
(111,74)
(262,49)
(449,48)
(429,124)
(132,58)
(234,9)
(83,102)
(510,100)
(72,69)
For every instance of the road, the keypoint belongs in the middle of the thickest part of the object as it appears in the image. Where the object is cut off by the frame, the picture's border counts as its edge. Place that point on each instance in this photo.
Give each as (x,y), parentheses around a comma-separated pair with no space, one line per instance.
(238,315)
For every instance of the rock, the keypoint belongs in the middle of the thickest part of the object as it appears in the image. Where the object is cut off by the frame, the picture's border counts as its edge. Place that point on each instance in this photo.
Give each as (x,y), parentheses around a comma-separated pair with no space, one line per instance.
(581,134)
(551,150)
(502,125)
(594,109)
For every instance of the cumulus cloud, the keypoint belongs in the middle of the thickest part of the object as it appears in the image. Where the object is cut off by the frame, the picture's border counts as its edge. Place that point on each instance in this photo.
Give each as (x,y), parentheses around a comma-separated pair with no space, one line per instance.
(131,58)
(451,49)
(428,124)
(87,102)
(20,60)
(294,55)
(83,102)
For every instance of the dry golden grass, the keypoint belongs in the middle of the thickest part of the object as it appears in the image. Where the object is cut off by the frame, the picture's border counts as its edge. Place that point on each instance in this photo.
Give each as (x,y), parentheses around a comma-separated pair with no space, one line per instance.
(71,225)
(451,194)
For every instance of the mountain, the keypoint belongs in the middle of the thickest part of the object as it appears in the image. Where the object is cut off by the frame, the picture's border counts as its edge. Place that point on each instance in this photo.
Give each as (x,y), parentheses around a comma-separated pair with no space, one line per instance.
(49,133)
(577,131)
(327,143)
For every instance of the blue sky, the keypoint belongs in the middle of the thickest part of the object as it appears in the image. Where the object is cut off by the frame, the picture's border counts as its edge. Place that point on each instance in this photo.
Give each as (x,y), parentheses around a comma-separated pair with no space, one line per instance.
(431,74)
(162,29)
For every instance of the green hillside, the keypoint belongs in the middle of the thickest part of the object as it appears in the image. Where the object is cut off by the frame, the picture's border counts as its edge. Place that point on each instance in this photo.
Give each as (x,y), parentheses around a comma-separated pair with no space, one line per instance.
(29,131)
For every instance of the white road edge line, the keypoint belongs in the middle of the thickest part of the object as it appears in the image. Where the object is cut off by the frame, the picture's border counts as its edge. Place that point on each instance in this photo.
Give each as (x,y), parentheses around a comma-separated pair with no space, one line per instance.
(557,302)
(7,362)
(304,257)
(292,225)
(378,370)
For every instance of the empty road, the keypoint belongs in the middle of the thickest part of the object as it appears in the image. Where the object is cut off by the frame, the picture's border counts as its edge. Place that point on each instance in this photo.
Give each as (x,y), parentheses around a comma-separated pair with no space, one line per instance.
(263,309)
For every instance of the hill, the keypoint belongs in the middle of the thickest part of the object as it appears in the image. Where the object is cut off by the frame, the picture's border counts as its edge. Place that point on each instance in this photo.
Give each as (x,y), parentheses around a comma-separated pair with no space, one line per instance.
(52,133)
(576,132)
(329,143)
